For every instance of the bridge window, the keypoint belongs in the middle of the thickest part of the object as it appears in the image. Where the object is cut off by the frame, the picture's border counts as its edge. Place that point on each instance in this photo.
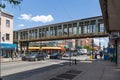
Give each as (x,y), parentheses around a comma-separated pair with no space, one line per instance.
(85,29)
(90,29)
(47,32)
(43,32)
(94,28)
(59,31)
(40,33)
(65,32)
(26,35)
(74,28)
(81,27)
(55,28)
(79,30)
(52,31)
(102,27)
(70,29)
(35,34)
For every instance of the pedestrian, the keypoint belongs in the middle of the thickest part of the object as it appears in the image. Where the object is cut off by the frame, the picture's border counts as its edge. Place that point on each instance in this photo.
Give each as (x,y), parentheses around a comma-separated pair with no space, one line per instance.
(101,54)
(95,54)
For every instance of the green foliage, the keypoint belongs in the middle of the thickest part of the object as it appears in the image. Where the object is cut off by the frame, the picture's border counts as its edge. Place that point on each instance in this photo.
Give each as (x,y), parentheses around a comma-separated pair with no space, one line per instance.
(12,2)
(88,48)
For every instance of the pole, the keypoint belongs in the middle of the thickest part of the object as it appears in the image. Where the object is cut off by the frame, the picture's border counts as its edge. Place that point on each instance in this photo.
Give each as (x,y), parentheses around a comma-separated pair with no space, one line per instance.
(70,59)
(116,43)
(92,45)
(0,47)
(99,43)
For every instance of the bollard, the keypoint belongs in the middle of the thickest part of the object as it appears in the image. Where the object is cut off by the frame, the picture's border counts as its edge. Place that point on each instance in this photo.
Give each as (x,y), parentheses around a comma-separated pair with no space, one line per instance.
(90,56)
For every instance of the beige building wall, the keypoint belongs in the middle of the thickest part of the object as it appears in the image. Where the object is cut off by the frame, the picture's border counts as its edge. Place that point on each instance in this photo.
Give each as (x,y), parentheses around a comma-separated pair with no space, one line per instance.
(6,29)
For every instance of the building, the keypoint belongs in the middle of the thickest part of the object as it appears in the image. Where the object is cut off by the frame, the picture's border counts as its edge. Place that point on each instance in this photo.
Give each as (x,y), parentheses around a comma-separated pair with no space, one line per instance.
(6,35)
(111,15)
(83,42)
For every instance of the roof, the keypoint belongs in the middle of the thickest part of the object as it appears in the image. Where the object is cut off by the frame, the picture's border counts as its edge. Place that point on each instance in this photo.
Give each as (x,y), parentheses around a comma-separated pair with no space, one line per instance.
(6,13)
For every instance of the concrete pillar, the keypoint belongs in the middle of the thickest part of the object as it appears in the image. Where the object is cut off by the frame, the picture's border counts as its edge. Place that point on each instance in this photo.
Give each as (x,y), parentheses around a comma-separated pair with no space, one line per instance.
(77,28)
(118,52)
(97,26)
(38,33)
(49,32)
(62,29)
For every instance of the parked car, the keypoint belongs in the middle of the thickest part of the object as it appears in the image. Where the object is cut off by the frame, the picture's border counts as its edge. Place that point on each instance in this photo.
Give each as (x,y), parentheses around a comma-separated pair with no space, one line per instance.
(56,56)
(66,54)
(75,53)
(24,57)
(33,57)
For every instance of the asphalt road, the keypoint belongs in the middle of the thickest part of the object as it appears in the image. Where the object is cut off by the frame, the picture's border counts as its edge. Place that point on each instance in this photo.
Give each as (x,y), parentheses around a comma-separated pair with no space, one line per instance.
(23,69)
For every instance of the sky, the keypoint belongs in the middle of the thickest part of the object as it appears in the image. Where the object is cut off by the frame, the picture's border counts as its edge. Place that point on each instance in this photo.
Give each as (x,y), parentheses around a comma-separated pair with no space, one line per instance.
(42,12)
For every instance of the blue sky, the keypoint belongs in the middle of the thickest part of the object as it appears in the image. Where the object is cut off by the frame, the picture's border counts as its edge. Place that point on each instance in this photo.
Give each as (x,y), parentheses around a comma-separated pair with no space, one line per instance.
(42,12)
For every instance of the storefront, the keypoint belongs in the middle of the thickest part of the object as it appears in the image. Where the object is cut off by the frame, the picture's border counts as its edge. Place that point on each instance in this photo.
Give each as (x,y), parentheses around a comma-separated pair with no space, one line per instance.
(7,50)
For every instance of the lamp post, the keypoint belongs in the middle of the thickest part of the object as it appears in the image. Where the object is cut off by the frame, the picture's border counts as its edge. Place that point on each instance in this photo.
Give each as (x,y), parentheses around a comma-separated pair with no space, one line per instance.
(99,43)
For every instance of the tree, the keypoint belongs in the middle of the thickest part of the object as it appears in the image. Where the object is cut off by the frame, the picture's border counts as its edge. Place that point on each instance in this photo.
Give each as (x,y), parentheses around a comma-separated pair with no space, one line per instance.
(88,48)
(3,3)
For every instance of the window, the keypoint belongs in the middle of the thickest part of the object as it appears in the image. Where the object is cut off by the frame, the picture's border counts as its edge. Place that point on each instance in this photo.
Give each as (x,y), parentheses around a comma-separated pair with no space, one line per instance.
(7,23)
(102,27)
(7,36)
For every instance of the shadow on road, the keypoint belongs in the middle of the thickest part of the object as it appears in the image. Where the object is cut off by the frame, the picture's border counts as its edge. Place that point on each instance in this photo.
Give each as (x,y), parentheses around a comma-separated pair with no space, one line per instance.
(29,73)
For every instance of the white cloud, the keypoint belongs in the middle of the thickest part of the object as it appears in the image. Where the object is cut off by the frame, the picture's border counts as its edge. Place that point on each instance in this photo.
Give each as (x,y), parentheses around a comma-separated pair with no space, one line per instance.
(21,25)
(42,18)
(39,18)
(25,16)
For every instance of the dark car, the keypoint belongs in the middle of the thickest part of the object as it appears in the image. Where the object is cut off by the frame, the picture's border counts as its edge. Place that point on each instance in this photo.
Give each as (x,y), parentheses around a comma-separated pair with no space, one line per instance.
(56,56)
(33,57)
(24,58)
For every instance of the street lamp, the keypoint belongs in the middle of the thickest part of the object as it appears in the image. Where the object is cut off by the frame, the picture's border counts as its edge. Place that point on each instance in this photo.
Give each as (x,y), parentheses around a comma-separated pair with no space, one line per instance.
(99,43)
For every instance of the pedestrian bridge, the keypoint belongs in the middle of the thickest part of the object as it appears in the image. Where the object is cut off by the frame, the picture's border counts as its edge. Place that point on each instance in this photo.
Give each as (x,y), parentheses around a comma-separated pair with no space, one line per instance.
(83,28)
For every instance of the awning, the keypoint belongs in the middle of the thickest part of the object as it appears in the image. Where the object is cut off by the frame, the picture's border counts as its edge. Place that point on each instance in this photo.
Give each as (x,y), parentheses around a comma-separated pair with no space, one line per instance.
(56,48)
(7,46)
(34,48)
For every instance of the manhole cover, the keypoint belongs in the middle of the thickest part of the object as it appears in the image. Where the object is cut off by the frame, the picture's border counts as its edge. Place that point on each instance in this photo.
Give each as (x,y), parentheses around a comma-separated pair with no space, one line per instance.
(74,72)
(67,76)
(56,79)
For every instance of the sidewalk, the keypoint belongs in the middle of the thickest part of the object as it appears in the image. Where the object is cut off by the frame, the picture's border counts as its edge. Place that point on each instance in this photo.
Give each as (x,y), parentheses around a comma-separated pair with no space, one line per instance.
(86,70)
(10,59)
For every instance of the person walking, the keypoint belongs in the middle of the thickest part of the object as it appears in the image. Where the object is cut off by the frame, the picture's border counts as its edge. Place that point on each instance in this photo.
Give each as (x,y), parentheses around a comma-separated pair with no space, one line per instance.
(95,54)
(101,54)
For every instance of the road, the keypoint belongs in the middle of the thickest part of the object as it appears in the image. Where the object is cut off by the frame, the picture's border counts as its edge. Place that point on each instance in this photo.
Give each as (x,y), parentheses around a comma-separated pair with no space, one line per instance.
(21,69)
